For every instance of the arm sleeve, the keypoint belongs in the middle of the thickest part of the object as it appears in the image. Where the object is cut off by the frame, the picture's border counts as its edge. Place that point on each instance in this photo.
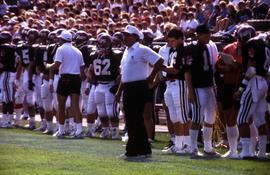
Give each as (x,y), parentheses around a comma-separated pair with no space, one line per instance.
(150,56)
(58,56)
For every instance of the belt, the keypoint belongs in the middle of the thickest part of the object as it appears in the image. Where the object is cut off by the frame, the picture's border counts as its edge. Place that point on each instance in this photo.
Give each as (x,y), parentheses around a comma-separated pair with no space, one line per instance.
(171,81)
(69,75)
(105,82)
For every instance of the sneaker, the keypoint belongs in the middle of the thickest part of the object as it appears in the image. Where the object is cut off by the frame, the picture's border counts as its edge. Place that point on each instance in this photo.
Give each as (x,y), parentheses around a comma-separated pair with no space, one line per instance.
(195,153)
(230,155)
(90,134)
(134,158)
(105,134)
(115,134)
(170,144)
(212,153)
(48,132)
(41,128)
(186,149)
(247,156)
(125,138)
(59,135)
(25,117)
(3,125)
(30,126)
(173,150)
(78,136)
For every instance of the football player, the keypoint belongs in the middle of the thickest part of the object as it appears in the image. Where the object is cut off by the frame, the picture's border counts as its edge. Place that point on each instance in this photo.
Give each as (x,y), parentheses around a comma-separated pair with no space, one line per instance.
(232,73)
(8,68)
(176,92)
(105,67)
(253,100)
(201,58)
(26,53)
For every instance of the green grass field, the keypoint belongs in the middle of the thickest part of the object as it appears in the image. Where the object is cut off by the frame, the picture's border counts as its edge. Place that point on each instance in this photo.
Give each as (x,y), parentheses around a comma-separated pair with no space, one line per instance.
(25,152)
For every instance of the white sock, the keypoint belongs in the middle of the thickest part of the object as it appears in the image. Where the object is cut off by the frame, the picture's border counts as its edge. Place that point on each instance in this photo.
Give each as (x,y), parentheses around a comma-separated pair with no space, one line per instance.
(72,123)
(186,140)
(207,138)
(262,146)
(49,126)
(90,127)
(245,146)
(43,123)
(79,128)
(18,113)
(61,129)
(253,138)
(9,118)
(178,141)
(232,135)
(4,118)
(193,139)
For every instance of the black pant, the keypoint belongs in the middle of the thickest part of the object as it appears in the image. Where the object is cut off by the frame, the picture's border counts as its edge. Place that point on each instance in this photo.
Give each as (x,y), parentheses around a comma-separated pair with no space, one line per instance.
(134,99)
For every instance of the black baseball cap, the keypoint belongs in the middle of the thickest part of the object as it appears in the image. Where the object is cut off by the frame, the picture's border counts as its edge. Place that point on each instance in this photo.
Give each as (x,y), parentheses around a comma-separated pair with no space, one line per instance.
(203,29)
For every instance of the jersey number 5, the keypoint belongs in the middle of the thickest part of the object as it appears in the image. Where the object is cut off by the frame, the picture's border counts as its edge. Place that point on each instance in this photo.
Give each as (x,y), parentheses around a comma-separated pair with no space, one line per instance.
(101,67)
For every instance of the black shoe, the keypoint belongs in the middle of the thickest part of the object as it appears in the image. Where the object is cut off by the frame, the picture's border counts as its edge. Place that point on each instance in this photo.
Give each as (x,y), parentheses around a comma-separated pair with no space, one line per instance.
(170,144)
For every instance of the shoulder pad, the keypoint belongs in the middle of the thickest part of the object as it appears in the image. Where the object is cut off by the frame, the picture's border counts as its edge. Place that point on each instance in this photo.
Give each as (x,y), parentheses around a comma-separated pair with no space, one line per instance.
(35,45)
(93,53)
(117,51)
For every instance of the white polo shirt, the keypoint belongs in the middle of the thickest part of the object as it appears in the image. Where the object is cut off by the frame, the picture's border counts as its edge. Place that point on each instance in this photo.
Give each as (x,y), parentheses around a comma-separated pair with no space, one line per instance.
(134,64)
(71,59)
(164,51)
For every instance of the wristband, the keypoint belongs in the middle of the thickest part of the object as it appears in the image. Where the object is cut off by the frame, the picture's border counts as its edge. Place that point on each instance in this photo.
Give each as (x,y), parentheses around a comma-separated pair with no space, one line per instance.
(241,89)
(87,85)
(50,81)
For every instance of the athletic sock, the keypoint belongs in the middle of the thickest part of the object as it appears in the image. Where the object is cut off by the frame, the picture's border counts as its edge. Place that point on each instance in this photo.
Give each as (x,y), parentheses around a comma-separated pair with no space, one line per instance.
(186,140)
(193,139)
(18,113)
(79,128)
(178,141)
(253,138)
(232,135)
(262,146)
(90,127)
(49,126)
(61,129)
(207,138)
(4,119)
(245,146)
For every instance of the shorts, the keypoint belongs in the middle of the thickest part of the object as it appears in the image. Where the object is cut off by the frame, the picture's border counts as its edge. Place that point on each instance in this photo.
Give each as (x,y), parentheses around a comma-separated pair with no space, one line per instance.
(69,84)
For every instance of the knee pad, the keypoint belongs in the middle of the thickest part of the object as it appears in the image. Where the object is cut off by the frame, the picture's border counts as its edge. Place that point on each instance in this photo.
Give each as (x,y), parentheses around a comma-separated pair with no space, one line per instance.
(47,105)
(209,118)
(173,115)
(259,120)
(30,98)
(101,109)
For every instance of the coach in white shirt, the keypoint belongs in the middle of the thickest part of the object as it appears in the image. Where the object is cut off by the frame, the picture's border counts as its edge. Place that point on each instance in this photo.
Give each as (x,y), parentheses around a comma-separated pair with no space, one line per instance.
(135,79)
(68,59)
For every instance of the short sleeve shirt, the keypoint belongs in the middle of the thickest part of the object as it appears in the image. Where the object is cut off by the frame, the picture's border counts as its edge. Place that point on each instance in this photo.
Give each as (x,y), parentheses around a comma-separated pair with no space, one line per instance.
(135,63)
